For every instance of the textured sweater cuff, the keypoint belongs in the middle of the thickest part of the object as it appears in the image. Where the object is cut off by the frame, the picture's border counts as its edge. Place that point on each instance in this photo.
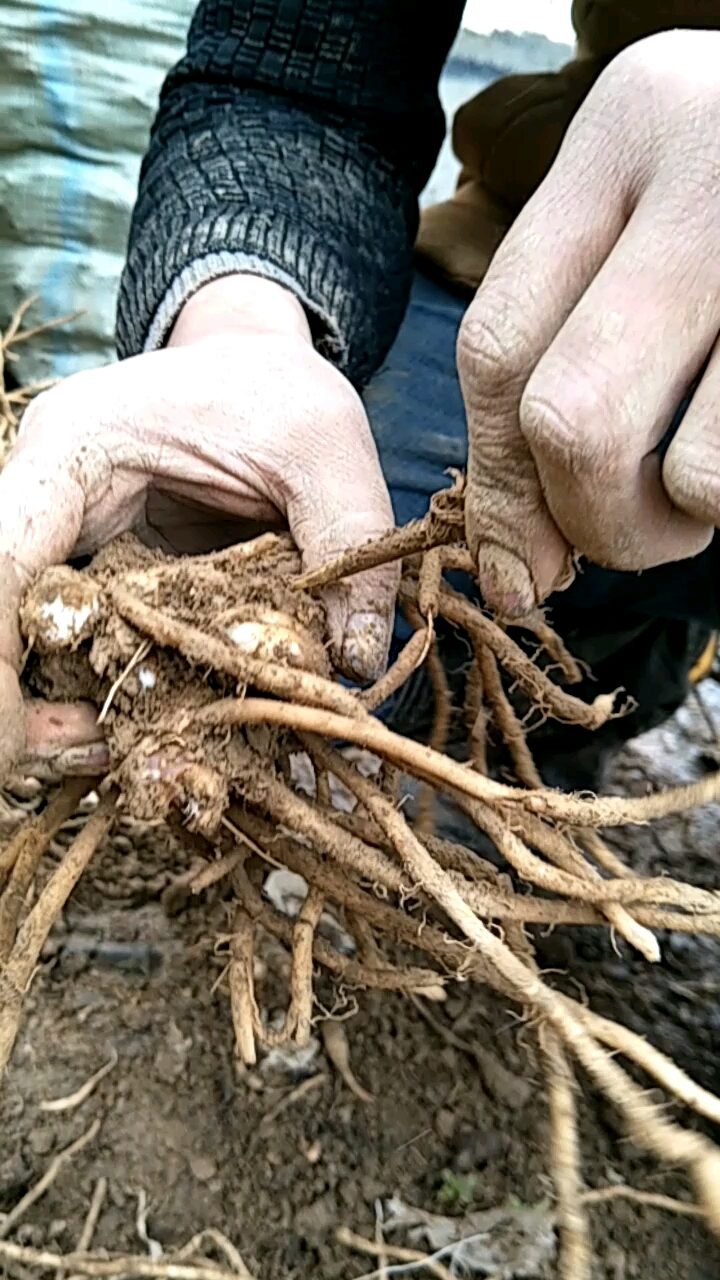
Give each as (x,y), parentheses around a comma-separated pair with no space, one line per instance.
(252,184)
(329,340)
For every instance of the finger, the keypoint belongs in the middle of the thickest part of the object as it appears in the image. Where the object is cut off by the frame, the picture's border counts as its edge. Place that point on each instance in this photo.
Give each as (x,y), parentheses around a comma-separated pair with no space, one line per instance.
(338,500)
(12,719)
(603,395)
(52,727)
(40,516)
(691,469)
(544,265)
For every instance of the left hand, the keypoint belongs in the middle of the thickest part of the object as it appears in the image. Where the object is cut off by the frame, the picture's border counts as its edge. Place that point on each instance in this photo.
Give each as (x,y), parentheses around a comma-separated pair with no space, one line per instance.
(598,311)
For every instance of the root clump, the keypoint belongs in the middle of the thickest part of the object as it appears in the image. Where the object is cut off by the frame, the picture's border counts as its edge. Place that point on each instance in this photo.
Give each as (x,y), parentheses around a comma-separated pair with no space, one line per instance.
(211,676)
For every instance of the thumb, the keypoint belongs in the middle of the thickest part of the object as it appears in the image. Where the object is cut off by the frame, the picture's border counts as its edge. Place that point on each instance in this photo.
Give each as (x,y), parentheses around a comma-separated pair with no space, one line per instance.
(40,512)
(12,712)
(338,500)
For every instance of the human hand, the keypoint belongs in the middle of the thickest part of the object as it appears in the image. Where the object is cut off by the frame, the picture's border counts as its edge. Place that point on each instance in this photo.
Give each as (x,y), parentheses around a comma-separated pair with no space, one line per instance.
(238,419)
(598,312)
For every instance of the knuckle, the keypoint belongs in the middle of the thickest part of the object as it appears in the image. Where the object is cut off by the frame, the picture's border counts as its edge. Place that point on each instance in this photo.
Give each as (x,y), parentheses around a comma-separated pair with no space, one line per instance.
(489,352)
(692,480)
(565,437)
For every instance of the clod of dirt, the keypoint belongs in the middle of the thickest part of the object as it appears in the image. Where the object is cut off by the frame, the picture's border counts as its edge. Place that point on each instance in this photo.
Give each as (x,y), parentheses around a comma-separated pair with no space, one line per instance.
(238,602)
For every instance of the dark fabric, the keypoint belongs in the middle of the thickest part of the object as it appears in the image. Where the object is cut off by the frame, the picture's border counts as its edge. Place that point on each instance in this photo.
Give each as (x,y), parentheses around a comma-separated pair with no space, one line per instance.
(292,140)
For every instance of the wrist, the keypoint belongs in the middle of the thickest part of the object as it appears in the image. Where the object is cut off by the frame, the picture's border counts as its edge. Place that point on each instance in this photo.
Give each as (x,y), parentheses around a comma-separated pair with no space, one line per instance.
(240,304)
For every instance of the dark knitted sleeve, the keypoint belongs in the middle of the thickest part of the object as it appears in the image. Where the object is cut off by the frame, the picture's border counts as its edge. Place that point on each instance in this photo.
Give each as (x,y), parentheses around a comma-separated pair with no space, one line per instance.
(292,142)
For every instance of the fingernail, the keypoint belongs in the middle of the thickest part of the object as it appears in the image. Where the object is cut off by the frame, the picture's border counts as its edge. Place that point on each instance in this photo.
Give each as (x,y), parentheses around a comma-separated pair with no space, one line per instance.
(365,645)
(88,760)
(505,582)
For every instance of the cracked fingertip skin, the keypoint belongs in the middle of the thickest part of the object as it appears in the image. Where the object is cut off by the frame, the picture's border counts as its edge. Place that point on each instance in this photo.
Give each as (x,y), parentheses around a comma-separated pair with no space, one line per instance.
(12,720)
(505,582)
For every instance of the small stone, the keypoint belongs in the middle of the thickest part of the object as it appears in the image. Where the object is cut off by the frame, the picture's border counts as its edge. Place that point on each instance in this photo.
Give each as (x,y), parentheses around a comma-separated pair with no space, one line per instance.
(477,1147)
(57,1228)
(32,1234)
(313,1152)
(316,1219)
(42,1140)
(504,1086)
(202,1167)
(445,1124)
(171,1057)
(373,1189)
(14,1174)
(448,1056)
(117,1195)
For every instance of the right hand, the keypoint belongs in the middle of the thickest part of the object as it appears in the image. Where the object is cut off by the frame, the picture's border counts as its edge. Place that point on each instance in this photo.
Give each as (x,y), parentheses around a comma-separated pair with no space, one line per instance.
(238,416)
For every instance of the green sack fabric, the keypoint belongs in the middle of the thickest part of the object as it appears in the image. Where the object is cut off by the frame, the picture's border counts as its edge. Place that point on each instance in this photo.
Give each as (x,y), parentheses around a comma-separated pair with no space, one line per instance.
(78,94)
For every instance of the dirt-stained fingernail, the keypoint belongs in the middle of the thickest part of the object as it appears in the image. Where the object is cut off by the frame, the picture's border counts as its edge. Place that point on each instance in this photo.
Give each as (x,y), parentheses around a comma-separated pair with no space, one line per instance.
(85,761)
(505,581)
(366,644)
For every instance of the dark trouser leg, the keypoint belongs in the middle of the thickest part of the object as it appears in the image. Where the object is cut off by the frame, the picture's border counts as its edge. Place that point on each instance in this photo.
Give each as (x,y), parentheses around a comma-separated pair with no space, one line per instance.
(641,631)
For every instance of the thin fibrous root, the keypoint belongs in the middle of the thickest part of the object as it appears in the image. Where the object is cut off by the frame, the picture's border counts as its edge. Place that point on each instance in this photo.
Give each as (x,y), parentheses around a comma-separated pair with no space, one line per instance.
(428,600)
(396,545)
(553,645)
(460,782)
(441,690)
(505,718)
(244,1010)
(412,656)
(368,733)
(297,814)
(352,1241)
(535,683)
(143,1268)
(560,850)
(301,988)
(351,972)
(56,1164)
(620,811)
(391,922)
(35,835)
(335,1044)
(604,811)
(444,523)
(476,718)
(16,973)
(576,1249)
(657,890)
(657,1065)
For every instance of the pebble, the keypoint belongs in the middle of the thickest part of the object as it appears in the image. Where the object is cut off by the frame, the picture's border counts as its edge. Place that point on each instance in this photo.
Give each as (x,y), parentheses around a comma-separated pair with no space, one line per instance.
(42,1140)
(14,1172)
(32,1234)
(203,1168)
(171,1057)
(316,1219)
(445,1124)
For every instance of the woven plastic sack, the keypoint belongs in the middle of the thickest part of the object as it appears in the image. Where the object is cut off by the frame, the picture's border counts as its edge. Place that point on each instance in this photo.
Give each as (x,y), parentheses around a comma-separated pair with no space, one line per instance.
(79,84)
